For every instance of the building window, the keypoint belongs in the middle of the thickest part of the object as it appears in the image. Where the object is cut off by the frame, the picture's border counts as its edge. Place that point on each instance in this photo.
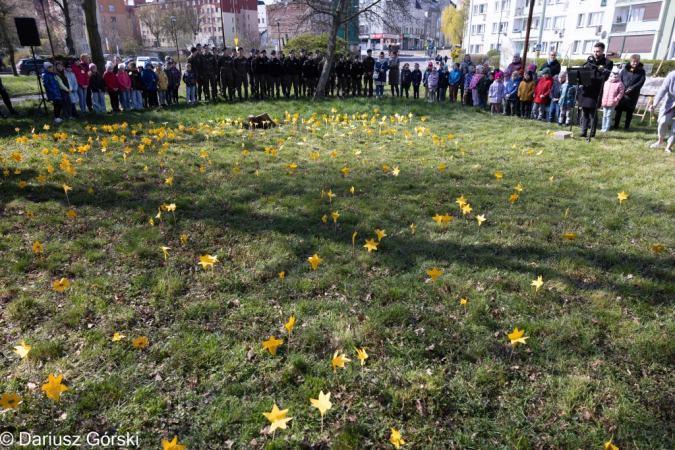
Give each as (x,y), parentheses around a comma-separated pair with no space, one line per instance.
(113,19)
(547,23)
(588,46)
(580,21)
(575,47)
(101,7)
(595,19)
(111,7)
(636,14)
(559,22)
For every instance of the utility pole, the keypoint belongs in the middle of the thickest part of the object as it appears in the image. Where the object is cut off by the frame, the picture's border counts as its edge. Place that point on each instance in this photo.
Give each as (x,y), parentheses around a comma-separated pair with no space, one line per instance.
(541,26)
(527,33)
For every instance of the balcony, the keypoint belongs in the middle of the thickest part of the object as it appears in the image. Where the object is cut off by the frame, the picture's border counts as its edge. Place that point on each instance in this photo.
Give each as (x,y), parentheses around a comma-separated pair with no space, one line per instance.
(619,27)
(634,27)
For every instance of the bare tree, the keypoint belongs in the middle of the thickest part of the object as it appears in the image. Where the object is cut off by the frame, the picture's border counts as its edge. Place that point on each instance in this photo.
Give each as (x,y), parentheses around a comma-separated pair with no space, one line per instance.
(339,13)
(89,8)
(193,18)
(9,38)
(153,18)
(63,8)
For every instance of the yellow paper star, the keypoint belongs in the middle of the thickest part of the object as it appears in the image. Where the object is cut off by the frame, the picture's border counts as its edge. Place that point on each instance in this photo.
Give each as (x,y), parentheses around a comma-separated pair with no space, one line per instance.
(371,245)
(140,342)
(54,388)
(271,344)
(314,260)
(621,196)
(362,355)
(413,228)
(434,273)
(480,220)
(289,324)
(380,234)
(22,350)
(339,360)
(396,438)
(173,445)
(537,283)
(517,336)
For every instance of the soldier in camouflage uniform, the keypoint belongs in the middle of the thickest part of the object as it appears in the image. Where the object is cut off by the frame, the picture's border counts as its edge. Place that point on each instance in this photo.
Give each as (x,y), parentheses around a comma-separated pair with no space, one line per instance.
(356,73)
(241,73)
(208,69)
(342,72)
(249,72)
(258,68)
(226,68)
(274,73)
(196,61)
(285,79)
(309,75)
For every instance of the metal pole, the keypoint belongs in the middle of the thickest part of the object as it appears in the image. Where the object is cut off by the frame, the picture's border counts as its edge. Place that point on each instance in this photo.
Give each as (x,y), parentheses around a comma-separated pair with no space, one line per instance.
(499,27)
(222,21)
(527,32)
(49,35)
(541,23)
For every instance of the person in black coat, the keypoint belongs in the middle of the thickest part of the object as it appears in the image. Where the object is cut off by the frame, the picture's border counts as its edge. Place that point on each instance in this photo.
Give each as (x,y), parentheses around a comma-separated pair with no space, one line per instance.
(600,67)
(633,77)
(552,64)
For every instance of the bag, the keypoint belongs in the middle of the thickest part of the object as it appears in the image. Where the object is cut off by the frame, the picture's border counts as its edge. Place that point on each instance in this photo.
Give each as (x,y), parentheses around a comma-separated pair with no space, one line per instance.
(376,76)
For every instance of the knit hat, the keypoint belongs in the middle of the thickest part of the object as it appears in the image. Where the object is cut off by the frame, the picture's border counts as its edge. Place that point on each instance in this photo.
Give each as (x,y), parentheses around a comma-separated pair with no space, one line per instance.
(479,68)
(555,77)
(445,67)
(430,64)
(529,72)
(498,76)
(532,67)
(521,71)
(122,66)
(147,64)
(47,65)
(109,65)
(615,70)
(92,67)
(546,71)
(516,55)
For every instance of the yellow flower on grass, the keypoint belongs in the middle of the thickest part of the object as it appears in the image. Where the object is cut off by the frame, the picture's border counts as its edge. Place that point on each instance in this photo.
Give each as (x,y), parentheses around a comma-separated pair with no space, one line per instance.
(140,342)
(117,337)
(658,248)
(314,261)
(513,198)
(345,171)
(537,283)
(499,175)
(610,446)
(289,324)
(396,438)
(282,274)
(395,171)
(29,215)
(434,273)
(22,350)
(169,181)
(466,209)
(446,218)
(271,344)
(413,228)
(569,236)
(8,401)
(208,260)
(518,188)
(71,214)
(335,216)
(621,196)
(183,238)
(278,418)
(60,285)
(173,445)
(37,247)
(517,336)
(480,220)
(362,355)
(323,403)
(380,234)
(371,245)
(165,250)
(22,184)
(339,360)
(54,388)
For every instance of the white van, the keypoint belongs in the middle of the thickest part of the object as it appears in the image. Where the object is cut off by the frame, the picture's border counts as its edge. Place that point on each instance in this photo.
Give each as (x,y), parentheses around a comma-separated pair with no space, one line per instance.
(141,60)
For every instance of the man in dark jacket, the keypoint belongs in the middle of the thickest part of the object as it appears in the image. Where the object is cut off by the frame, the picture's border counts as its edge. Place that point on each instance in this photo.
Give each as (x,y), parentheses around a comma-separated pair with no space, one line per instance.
(342,71)
(633,78)
(208,69)
(552,64)
(240,73)
(226,69)
(302,58)
(7,101)
(356,73)
(292,67)
(589,96)
(368,70)
(249,70)
(196,62)
(275,71)
(309,72)
(258,68)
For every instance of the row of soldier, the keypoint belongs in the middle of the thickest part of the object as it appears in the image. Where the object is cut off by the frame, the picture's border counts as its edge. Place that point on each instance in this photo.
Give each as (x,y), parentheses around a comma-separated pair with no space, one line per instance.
(237,75)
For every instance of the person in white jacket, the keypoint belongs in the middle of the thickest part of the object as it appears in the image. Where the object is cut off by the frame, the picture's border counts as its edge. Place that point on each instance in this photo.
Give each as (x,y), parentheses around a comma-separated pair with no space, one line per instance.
(666,112)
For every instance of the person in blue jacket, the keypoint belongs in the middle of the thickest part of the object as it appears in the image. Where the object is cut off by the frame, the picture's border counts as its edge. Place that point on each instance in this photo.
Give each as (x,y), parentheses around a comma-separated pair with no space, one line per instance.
(455,79)
(381,67)
(511,95)
(150,80)
(52,90)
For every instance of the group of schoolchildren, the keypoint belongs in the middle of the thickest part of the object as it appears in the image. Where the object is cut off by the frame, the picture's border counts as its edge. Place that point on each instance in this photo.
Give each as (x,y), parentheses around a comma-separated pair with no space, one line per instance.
(79,83)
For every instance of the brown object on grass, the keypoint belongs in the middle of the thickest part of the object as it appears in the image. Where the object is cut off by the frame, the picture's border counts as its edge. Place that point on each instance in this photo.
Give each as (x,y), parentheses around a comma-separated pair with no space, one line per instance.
(263,121)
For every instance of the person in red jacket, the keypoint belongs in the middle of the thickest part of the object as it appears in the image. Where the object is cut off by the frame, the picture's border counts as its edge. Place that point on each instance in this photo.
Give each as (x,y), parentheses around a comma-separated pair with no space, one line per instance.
(110,80)
(82,75)
(541,95)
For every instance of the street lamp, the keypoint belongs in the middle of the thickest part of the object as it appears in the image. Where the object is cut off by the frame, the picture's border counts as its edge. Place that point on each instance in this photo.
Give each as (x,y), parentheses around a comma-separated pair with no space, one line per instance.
(175,37)
(278,21)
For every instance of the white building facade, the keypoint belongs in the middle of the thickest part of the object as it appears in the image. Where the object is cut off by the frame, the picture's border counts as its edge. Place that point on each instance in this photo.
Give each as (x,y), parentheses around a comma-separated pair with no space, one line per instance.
(572,27)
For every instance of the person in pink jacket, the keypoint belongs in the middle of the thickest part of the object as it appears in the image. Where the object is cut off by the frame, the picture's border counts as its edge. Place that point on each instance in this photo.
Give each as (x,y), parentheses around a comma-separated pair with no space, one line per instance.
(612,92)
(81,72)
(124,83)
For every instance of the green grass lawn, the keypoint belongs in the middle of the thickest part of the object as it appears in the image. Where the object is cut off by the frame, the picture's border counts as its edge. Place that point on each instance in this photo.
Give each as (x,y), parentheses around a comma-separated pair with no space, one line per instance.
(600,354)
(21,85)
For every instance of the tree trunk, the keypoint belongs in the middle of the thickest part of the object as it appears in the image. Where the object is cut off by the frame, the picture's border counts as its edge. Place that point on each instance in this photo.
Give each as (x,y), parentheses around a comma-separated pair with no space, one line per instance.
(70,46)
(11,60)
(332,43)
(89,7)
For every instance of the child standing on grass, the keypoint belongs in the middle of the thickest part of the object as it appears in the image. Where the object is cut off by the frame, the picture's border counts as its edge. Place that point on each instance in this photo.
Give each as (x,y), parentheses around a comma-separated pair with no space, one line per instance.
(406,79)
(611,95)
(110,80)
(52,90)
(72,82)
(176,81)
(511,95)
(150,82)
(416,80)
(124,81)
(443,83)
(62,80)
(425,80)
(483,88)
(455,79)
(468,79)
(97,87)
(496,94)
(567,94)
(473,86)
(162,84)
(541,95)
(554,107)
(526,95)
(170,85)
(190,79)
(432,81)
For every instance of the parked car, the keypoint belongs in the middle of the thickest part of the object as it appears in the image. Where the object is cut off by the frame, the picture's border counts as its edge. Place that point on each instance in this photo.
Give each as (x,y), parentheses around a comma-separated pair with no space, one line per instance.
(141,60)
(29,66)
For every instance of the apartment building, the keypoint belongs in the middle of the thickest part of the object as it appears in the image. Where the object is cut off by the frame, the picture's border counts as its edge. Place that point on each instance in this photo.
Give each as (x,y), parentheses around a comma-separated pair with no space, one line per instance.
(572,27)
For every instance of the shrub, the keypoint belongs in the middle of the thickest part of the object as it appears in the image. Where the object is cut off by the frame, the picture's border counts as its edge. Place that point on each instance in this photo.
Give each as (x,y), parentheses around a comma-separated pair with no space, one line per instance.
(311,43)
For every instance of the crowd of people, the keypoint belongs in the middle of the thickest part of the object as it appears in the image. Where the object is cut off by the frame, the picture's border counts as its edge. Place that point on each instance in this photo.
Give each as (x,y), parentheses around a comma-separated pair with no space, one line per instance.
(544,94)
